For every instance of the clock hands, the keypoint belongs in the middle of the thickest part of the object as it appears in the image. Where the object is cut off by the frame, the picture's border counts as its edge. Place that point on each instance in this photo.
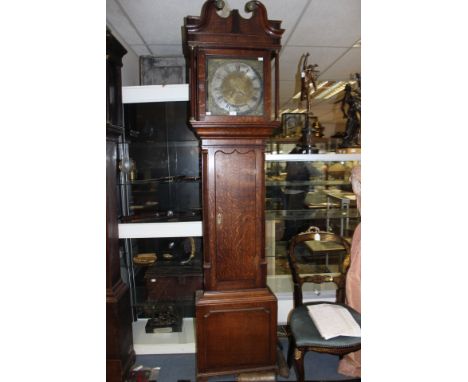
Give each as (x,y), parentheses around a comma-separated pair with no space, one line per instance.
(235,87)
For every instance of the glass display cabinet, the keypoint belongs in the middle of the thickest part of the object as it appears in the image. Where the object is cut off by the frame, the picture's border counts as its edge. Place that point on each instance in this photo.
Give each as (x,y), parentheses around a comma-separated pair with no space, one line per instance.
(160,219)
(304,190)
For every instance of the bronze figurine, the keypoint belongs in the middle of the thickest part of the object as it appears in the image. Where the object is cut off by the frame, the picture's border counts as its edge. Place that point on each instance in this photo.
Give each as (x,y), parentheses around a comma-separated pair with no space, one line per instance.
(309,75)
(351,108)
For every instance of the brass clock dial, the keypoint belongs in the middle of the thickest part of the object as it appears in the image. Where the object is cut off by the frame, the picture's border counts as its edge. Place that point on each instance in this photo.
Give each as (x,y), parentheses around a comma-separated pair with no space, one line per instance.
(235,87)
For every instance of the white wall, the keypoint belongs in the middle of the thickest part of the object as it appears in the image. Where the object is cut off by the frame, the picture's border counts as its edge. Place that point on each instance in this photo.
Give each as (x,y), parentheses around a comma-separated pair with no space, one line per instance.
(130,68)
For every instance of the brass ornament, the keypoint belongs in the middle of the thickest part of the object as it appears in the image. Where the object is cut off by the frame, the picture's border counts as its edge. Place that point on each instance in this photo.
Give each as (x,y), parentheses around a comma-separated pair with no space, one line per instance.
(192,252)
(297,354)
(237,88)
(145,258)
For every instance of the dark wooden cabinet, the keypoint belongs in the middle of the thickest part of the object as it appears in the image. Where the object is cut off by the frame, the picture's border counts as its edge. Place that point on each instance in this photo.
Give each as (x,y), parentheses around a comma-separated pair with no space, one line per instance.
(230,79)
(119,341)
(172,283)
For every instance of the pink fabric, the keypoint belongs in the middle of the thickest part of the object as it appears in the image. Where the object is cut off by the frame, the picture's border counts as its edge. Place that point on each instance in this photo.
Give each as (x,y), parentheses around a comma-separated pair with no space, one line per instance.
(351,363)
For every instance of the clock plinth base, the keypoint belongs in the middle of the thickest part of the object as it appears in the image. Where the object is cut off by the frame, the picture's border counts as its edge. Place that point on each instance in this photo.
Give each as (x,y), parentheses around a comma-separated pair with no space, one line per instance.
(120,355)
(236,332)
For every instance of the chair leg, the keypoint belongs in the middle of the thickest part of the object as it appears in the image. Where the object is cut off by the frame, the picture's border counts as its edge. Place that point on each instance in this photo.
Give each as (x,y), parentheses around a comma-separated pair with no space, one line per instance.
(291,346)
(299,364)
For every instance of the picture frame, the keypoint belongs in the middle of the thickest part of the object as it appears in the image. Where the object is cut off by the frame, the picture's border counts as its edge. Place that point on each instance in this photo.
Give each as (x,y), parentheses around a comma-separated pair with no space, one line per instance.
(292,124)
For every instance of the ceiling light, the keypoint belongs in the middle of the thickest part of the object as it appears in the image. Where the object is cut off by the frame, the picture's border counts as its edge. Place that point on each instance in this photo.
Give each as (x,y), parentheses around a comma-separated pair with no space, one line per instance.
(296,96)
(331,89)
(336,91)
(319,86)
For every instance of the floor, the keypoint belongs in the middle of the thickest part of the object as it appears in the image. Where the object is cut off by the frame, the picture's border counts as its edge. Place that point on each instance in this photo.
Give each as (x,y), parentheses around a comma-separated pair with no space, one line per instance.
(175,367)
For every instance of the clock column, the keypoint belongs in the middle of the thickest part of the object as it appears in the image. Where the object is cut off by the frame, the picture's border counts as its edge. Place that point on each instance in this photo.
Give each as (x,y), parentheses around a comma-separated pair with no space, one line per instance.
(236,313)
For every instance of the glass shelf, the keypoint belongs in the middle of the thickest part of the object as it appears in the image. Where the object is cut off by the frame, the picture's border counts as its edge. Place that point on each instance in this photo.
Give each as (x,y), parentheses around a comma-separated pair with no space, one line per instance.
(171,179)
(168,216)
(162,183)
(318,182)
(303,191)
(312,214)
(325,157)
(164,271)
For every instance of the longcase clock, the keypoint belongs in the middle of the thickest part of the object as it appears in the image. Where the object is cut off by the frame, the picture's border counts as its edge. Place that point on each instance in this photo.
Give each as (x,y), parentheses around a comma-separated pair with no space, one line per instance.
(233,72)
(120,354)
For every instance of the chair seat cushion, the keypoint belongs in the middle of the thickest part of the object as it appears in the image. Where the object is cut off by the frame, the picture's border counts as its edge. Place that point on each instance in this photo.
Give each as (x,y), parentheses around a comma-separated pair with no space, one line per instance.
(305,332)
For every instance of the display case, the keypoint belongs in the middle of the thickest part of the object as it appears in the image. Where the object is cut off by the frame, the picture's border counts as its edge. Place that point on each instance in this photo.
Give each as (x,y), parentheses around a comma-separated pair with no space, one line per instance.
(304,190)
(161,190)
(160,219)
(162,182)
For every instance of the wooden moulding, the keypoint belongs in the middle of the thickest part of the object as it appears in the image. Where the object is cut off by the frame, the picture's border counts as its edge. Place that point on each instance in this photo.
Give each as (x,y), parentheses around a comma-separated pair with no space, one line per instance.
(210,29)
(236,130)
(210,35)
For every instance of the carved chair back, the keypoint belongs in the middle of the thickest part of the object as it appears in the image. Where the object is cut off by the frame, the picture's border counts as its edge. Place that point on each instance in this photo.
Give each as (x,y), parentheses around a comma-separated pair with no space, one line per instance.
(298,276)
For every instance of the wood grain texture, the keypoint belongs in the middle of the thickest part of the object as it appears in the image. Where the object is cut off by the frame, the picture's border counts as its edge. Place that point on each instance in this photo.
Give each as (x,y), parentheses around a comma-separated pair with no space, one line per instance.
(236,233)
(236,331)
(233,214)
(173,288)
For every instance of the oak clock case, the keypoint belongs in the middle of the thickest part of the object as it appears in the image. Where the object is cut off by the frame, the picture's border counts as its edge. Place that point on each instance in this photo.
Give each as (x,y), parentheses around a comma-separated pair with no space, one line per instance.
(230,71)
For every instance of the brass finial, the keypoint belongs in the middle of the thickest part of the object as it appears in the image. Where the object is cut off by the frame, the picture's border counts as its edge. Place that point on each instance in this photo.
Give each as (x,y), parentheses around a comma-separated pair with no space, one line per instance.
(250,6)
(219,4)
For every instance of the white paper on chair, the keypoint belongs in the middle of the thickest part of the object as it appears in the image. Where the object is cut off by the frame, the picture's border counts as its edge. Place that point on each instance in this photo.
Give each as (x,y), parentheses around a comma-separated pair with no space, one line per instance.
(333,321)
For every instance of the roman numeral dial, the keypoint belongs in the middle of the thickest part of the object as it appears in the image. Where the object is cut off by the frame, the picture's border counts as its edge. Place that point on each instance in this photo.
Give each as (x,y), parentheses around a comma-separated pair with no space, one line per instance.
(235,87)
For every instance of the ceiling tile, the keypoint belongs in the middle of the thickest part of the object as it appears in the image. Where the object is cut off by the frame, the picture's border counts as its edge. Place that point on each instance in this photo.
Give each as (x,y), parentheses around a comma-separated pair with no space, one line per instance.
(140,50)
(166,50)
(322,56)
(291,72)
(326,29)
(160,22)
(329,23)
(289,12)
(346,65)
(117,19)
